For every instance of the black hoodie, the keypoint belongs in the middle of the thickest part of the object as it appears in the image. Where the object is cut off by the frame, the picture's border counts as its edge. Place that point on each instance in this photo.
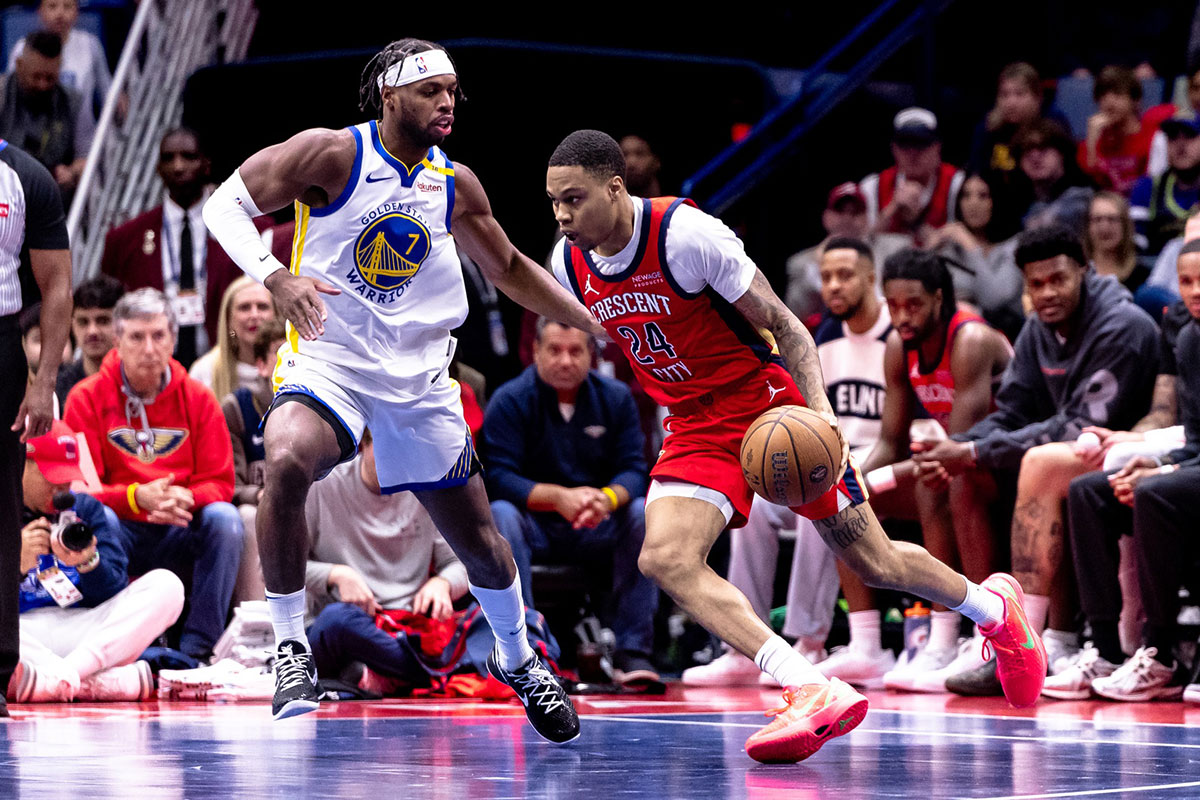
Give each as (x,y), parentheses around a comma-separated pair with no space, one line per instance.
(1103,374)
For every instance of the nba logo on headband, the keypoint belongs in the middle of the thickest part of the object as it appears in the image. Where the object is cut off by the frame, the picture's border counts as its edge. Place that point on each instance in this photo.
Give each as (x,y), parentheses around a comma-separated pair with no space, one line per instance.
(421,68)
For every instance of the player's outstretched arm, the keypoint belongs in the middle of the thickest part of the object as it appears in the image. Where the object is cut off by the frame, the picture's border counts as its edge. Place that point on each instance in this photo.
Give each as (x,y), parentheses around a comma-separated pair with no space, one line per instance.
(312,167)
(481,236)
(764,310)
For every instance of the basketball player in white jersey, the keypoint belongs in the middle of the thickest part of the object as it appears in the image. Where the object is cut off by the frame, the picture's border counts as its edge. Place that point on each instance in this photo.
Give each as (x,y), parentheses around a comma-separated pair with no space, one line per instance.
(373,291)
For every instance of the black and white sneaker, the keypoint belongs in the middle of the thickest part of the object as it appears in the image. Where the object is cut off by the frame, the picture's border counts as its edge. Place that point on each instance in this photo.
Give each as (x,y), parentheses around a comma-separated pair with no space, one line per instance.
(295,680)
(547,705)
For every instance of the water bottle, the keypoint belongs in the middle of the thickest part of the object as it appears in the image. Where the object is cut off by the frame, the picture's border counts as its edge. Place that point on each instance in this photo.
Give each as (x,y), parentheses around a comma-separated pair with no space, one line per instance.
(916,629)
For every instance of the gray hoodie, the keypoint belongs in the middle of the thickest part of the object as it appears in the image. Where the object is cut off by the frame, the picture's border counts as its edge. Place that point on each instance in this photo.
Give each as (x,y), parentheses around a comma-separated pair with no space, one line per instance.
(1102,375)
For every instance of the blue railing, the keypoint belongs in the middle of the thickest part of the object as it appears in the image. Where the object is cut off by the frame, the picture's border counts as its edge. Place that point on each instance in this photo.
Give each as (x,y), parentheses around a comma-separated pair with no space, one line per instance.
(774,138)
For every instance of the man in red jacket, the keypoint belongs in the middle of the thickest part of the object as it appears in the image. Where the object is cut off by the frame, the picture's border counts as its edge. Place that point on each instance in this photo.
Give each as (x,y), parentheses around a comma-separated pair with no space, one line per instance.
(165,462)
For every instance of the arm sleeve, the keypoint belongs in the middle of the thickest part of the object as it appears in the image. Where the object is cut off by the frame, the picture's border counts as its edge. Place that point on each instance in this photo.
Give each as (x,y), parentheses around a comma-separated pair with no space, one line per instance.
(229,216)
(630,455)
(212,480)
(1116,379)
(504,444)
(446,565)
(703,251)
(111,574)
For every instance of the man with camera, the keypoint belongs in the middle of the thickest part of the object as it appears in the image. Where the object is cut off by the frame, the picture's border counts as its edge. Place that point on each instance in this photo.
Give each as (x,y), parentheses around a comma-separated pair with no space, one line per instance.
(82,624)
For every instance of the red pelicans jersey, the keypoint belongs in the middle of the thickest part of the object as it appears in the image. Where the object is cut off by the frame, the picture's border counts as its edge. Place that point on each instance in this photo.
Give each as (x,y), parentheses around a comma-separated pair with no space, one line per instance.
(681,344)
(935,388)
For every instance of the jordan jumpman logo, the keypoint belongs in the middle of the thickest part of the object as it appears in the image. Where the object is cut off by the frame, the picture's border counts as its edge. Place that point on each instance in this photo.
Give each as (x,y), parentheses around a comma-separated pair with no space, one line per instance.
(587,286)
(773,391)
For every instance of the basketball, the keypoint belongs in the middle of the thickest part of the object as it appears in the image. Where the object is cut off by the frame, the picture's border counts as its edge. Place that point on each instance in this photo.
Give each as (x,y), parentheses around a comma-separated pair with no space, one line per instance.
(790,456)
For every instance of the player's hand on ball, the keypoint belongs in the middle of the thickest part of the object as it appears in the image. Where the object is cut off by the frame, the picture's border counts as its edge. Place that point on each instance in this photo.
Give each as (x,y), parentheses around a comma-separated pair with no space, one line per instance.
(298,299)
(832,419)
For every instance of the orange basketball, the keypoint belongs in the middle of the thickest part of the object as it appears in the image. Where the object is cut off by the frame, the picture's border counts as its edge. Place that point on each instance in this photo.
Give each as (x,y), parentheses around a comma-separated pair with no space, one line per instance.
(790,456)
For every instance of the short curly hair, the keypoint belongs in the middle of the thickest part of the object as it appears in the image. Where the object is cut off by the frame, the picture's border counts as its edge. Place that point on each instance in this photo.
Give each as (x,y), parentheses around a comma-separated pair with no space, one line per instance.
(1041,244)
(595,151)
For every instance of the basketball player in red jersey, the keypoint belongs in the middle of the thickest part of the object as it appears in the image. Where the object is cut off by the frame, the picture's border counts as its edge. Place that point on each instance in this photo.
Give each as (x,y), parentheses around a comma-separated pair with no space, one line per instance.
(708,338)
(945,361)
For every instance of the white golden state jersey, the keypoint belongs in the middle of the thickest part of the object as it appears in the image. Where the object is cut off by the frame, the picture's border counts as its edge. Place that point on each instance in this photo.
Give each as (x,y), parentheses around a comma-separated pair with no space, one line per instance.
(385,242)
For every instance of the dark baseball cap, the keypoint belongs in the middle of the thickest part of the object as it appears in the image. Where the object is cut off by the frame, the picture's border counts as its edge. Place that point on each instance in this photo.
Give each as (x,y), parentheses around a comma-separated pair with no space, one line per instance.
(1184,122)
(915,127)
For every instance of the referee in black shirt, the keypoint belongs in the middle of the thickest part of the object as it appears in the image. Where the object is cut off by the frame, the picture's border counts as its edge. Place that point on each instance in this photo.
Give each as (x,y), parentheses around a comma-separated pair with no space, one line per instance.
(34,259)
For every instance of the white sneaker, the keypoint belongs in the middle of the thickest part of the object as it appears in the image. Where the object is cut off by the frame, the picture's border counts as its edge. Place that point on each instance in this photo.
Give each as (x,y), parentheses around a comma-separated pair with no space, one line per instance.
(225,680)
(1074,680)
(1192,693)
(814,655)
(969,656)
(927,659)
(857,667)
(129,682)
(42,684)
(730,669)
(1139,679)
(1059,656)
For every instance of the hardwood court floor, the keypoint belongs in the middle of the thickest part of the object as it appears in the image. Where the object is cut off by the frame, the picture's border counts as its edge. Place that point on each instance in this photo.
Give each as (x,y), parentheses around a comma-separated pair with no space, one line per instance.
(686,744)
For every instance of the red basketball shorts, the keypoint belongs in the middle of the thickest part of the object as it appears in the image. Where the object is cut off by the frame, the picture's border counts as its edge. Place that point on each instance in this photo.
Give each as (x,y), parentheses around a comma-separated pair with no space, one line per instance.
(704,442)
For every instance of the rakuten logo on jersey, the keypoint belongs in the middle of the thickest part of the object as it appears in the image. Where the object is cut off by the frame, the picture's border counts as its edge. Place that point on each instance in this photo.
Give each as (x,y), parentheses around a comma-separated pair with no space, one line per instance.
(429,187)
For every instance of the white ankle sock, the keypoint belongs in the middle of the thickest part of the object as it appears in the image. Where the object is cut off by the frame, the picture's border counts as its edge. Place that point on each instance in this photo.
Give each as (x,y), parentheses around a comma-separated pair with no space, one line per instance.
(866,631)
(287,616)
(777,658)
(505,612)
(943,630)
(1037,608)
(983,607)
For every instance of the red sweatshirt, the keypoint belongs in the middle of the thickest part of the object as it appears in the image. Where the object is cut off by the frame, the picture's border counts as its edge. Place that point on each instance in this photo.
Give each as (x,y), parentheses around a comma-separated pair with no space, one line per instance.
(188,437)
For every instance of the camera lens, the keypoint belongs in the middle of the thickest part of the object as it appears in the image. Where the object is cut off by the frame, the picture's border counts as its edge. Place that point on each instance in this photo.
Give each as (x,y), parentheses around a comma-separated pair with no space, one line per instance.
(76,536)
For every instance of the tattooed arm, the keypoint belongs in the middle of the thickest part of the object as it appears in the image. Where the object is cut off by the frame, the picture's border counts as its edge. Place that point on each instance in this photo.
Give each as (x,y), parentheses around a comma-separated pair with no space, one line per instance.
(1164,406)
(765,311)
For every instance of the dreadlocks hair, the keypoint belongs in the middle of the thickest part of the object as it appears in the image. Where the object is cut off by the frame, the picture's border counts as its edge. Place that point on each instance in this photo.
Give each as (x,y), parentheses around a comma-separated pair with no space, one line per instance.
(931,269)
(595,151)
(369,96)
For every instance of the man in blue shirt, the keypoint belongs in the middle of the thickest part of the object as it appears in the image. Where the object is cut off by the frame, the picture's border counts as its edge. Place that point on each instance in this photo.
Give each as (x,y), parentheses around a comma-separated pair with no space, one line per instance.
(563,449)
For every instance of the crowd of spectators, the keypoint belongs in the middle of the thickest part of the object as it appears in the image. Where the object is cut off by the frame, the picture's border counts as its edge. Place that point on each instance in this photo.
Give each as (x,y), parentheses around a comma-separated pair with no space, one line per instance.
(976,326)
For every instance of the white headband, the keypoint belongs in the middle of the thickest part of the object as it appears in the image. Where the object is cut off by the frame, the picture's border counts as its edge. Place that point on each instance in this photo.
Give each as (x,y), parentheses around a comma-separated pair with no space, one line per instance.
(416,67)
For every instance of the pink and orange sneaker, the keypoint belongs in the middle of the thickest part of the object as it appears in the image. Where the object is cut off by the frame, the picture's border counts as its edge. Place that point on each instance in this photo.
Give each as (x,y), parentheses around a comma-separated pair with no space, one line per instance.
(814,713)
(1020,655)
